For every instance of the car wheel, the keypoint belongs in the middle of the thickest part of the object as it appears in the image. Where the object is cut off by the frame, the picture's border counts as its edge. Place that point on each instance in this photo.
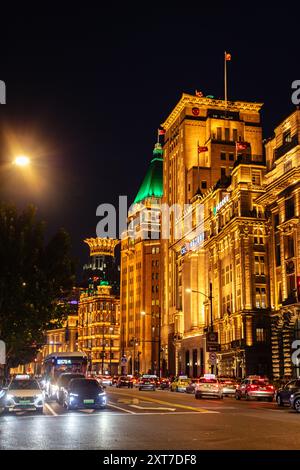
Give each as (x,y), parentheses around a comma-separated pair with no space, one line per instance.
(270,399)
(176,389)
(279,400)
(247,397)
(69,407)
(140,389)
(237,396)
(296,405)
(40,411)
(197,396)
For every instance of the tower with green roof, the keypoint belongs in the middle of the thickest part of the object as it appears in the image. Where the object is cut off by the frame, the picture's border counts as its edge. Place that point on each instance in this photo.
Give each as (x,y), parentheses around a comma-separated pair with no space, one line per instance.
(152,185)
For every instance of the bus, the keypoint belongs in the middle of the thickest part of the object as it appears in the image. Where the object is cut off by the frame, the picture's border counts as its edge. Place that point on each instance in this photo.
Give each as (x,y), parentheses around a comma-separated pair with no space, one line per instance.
(59,362)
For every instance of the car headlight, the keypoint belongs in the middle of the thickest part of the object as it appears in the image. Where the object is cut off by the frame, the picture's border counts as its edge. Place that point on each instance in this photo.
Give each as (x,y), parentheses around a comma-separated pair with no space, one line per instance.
(102,394)
(292,396)
(39,397)
(73,394)
(9,397)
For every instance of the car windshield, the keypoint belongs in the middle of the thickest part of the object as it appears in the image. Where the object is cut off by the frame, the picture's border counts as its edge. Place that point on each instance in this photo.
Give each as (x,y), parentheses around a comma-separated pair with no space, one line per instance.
(65,379)
(84,385)
(260,382)
(24,385)
(208,381)
(226,381)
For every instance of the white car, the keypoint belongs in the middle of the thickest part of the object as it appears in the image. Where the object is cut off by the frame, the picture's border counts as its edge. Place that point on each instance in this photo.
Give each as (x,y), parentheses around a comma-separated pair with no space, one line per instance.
(24,393)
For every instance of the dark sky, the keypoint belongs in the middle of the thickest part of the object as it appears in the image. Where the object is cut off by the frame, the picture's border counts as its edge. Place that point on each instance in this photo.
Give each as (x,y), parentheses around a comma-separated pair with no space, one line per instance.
(86,92)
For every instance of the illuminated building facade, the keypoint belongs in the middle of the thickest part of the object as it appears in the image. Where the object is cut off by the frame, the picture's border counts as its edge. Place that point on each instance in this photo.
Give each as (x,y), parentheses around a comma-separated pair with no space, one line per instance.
(281,200)
(228,252)
(99,328)
(140,275)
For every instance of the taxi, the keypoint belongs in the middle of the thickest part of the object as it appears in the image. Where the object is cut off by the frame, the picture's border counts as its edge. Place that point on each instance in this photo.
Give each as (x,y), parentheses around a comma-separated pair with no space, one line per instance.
(180,384)
(24,393)
(208,386)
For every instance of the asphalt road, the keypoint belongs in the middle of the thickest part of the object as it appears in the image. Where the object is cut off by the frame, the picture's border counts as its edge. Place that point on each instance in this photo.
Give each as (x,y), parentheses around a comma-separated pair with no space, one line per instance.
(155,420)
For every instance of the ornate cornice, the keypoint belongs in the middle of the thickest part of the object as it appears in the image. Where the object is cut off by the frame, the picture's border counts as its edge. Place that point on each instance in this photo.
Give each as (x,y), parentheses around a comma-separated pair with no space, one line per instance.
(204,103)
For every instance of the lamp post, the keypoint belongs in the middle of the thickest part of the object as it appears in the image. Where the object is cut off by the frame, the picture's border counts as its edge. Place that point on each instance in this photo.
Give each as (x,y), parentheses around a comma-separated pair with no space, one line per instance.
(110,330)
(134,343)
(210,298)
(159,336)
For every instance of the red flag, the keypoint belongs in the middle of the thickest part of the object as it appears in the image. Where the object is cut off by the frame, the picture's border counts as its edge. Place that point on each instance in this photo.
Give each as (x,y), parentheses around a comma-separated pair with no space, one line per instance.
(241,145)
(198,93)
(227,56)
(161,131)
(202,149)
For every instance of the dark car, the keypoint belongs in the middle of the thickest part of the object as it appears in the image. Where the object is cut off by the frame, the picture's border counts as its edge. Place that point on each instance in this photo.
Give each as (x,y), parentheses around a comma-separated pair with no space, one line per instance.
(147,384)
(192,385)
(164,383)
(84,393)
(295,399)
(125,381)
(284,393)
(62,384)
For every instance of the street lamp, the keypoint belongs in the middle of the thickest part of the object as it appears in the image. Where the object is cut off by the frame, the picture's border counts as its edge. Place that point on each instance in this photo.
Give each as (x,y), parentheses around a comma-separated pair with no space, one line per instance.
(110,329)
(210,297)
(22,161)
(159,335)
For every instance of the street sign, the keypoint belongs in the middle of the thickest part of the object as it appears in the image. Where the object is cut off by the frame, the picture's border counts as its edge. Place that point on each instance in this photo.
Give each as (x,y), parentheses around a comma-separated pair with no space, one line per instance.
(2,352)
(212,344)
(212,358)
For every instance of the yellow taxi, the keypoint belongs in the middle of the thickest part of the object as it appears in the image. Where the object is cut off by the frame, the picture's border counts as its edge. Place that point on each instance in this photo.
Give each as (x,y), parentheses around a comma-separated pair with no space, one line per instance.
(180,383)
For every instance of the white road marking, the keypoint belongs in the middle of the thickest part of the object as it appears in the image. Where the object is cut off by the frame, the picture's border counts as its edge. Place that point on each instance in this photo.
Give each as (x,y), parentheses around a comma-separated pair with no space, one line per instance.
(50,409)
(152,408)
(119,408)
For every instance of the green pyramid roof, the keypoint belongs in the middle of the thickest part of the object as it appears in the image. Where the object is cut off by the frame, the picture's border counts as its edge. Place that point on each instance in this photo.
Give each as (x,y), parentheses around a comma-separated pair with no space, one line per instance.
(152,186)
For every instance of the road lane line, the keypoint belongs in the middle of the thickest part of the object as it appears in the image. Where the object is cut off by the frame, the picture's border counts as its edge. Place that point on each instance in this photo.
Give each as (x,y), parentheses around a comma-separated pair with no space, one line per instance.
(152,408)
(119,408)
(50,409)
(177,405)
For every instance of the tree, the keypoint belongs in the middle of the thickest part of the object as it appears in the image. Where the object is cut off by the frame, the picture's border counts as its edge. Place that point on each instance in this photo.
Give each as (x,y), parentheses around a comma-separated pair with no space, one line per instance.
(34,276)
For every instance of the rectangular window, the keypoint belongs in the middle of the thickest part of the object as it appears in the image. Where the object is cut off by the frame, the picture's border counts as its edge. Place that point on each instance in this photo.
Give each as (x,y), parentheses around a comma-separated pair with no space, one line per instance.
(231,157)
(260,300)
(256,177)
(219,133)
(223,156)
(289,208)
(203,184)
(287,137)
(223,172)
(260,335)
(234,135)
(227,134)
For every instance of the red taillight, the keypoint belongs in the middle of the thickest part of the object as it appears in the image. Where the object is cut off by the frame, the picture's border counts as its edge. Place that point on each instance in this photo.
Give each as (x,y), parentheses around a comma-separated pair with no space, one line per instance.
(270,387)
(253,387)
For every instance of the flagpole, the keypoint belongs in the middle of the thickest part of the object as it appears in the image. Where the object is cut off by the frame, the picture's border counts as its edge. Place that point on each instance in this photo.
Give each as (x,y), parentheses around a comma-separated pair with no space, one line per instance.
(225,79)
(198,165)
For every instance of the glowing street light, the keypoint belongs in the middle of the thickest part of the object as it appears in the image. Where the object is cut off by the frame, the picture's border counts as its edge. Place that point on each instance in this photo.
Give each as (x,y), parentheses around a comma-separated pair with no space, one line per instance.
(22,160)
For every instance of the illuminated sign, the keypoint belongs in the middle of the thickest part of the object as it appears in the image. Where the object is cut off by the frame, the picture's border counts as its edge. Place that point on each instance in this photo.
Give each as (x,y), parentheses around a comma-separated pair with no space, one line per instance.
(192,244)
(61,362)
(221,204)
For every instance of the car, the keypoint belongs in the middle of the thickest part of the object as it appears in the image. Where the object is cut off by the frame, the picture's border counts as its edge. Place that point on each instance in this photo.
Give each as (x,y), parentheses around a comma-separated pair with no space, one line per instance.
(208,386)
(114,379)
(163,383)
(24,393)
(84,394)
(62,384)
(192,385)
(255,387)
(229,386)
(124,381)
(147,383)
(180,383)
(105,380)
(283,394)
(295,399)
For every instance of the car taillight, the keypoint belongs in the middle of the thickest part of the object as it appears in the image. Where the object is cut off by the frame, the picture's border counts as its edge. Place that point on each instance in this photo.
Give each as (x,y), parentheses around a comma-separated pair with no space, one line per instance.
(270,387)
(253,387)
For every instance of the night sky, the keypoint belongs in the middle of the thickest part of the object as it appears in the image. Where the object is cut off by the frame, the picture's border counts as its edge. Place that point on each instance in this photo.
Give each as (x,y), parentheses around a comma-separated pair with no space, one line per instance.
(86,92)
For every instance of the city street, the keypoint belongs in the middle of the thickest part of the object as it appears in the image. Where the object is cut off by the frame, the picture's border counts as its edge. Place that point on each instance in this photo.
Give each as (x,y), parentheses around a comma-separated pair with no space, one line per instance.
(155,420)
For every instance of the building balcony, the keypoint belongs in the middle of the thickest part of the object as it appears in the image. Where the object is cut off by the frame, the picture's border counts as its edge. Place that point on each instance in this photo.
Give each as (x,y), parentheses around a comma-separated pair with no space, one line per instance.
(249,160)
(283,149)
